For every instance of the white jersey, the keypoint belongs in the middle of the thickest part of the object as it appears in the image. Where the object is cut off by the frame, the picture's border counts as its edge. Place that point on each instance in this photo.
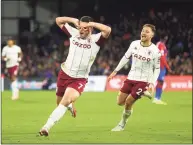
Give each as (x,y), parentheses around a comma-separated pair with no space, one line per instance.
(11,53)
(144,61)
(82,53)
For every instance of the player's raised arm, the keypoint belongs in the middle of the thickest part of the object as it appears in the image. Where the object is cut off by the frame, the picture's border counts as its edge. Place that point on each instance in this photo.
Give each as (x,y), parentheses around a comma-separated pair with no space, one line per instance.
(60,21)
(105,30)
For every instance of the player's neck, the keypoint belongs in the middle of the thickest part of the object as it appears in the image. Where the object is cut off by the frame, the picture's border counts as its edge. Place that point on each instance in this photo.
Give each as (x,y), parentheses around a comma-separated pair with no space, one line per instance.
(84,38)
(146,44)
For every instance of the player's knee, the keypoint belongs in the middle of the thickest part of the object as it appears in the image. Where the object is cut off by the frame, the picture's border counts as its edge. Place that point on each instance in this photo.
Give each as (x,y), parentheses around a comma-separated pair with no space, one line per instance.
(120,102)
(66,100)
(72,93)
(130,100)
(12,78)
(74,98)
(128,103)
(58,100)
(121,98)
(160,83)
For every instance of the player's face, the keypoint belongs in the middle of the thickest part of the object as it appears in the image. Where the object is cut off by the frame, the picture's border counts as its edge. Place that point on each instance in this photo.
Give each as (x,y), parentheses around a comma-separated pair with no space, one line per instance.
(84,30)
(146,34)
(10,42)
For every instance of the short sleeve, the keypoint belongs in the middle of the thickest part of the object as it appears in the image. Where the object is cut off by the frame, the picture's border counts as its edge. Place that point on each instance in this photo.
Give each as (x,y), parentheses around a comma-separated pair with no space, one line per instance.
(99,39)
(69,30)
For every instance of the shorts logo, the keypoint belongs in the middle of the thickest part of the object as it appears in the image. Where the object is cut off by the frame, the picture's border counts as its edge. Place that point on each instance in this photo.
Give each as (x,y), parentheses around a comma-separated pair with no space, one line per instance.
(139,91)
(80,85)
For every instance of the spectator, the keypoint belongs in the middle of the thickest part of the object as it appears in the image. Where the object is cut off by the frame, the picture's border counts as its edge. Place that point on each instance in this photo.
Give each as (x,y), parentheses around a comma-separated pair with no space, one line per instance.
(50,49)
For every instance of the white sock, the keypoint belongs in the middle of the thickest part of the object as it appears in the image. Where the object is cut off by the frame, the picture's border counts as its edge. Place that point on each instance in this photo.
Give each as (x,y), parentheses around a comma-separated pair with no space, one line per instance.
(56,115)
(15,90)
(70,106)
(125,116)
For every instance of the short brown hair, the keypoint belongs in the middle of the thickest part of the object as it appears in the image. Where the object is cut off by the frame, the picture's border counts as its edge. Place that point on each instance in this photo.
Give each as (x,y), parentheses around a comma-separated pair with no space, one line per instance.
(150,26)
(86,19)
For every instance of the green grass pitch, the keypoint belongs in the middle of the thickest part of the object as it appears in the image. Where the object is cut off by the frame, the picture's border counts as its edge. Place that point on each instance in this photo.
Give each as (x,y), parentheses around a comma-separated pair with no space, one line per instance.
(97,115)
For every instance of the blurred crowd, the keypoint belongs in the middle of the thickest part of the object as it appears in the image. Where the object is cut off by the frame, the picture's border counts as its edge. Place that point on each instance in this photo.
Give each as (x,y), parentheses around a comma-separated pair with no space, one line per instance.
(45,48)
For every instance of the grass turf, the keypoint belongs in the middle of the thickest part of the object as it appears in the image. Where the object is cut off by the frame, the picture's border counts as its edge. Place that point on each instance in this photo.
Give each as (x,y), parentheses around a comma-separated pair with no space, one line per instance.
(97,115)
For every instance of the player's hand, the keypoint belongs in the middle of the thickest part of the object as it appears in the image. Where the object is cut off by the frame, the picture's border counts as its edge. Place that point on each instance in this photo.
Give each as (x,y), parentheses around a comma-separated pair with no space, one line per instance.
(151,88)
(76,23)
(6,59)
(111,75)
(19,59)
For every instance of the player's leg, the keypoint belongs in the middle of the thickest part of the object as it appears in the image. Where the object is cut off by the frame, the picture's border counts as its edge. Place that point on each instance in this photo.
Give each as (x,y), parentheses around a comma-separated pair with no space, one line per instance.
(58,100)
(14,84)
(126,113)
(71,107)
(121,100)
(79,86)
(159,88)
(62,83)
(137,90)
(72,92)
(124,92)
(70,96)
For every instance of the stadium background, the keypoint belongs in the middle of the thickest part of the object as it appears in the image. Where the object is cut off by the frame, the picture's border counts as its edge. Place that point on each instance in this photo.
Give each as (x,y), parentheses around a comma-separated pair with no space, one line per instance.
(32,24)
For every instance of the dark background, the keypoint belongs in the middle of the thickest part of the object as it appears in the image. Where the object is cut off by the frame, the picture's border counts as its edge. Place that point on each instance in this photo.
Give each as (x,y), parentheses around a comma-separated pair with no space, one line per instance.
(45,46)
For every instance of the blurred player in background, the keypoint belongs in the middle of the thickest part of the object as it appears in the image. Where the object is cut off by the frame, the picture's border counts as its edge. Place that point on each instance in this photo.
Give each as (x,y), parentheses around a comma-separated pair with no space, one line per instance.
(145,69)
(73,75)
(163,65)
(12,55)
